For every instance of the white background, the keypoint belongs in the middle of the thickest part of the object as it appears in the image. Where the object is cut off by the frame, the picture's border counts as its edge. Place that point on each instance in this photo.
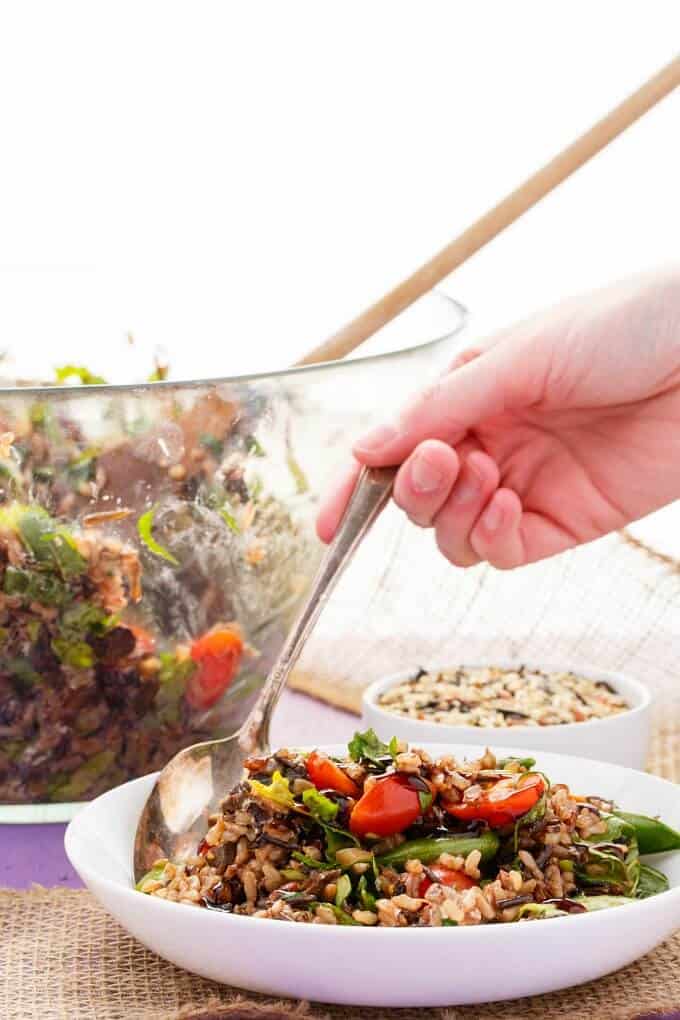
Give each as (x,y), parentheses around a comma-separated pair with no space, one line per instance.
(236,180)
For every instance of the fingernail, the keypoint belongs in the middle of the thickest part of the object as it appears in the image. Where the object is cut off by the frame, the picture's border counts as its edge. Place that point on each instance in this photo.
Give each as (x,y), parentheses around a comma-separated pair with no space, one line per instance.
(468,488)
(376,438)
(425,476)
(492,518)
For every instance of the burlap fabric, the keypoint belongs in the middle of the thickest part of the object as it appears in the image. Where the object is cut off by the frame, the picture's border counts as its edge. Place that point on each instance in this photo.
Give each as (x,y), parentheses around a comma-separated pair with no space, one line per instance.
(63,958)
(612,604)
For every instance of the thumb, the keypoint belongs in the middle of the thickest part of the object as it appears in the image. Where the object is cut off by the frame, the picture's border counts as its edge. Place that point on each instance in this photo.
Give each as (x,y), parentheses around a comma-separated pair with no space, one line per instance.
(481,388)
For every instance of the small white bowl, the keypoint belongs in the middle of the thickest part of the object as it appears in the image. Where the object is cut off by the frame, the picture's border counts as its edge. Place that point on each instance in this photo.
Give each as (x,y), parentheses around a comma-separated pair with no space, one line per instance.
(388,967)
(622,739)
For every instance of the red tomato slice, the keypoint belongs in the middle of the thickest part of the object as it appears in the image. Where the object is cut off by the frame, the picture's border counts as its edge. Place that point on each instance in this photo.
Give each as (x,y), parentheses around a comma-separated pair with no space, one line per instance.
(446,876)
(326,775)
(502,803)
(217,655)
(390,806)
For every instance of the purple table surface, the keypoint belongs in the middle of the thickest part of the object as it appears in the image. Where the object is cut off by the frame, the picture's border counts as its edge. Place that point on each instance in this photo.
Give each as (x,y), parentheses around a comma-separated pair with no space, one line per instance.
(35,853)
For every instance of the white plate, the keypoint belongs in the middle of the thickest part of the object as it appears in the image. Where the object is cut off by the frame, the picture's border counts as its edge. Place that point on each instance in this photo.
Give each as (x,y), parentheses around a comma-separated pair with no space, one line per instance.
(385,966)
(622,739)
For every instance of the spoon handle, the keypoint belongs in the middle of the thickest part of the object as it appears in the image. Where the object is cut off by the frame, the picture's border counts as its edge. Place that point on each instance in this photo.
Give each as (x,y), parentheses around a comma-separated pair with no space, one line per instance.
(371,493)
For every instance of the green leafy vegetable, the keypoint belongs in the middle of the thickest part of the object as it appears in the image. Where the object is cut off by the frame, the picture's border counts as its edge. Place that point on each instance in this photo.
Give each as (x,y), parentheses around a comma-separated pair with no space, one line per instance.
(35,587)
(65,553)
(49,543)
(320,807)
(310,861)
(341,916)
(526,763)
(22,672)
(602,902)
(425,799)
(298,475)
(293,875)
(77,654)
(254,447)
(173,676)
(343,890)
(651,882)
(84,777)
(145,528)
(368,747)
(605,867)
(448,923)
(366,897)
(230,520)
(336,839)
(78,372)
(279,790)
(213,444)
(534,813)
(83,619)
(542,910)
(154,875)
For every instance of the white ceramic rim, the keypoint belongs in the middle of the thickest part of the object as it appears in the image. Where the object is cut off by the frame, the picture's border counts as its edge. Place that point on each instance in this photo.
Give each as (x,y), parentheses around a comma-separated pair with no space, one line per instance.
(480,932)
(625,685)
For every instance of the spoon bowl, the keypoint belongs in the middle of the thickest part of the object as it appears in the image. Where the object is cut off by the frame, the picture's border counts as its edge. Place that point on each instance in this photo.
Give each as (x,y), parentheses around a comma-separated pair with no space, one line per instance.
(192,784)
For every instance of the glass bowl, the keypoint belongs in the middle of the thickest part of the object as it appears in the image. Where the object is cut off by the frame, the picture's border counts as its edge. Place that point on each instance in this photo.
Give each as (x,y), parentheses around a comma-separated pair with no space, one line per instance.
(155,543)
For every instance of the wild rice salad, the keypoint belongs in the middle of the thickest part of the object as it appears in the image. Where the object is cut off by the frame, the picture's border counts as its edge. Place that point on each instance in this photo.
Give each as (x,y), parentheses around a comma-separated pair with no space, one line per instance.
(389,836)
(490,696)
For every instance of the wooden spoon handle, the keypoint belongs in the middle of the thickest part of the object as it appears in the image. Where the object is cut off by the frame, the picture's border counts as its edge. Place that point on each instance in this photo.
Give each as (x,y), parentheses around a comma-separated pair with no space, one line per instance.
(501,216)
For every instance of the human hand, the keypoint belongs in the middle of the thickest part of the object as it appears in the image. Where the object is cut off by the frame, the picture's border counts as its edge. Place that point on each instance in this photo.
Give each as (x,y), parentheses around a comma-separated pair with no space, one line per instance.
(553,433)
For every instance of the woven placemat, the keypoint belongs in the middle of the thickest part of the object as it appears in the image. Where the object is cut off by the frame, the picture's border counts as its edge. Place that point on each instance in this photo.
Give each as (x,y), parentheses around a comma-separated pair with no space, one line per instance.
(63,958)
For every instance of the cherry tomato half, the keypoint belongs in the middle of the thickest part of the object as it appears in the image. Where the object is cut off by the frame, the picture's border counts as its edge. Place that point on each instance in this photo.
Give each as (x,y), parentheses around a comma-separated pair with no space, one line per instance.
(326,775)
(217,655)
(445,876)
(390,806)
(501,803)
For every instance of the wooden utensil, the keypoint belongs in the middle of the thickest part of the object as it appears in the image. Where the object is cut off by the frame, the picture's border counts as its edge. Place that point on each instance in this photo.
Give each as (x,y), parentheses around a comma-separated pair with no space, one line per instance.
(497,219)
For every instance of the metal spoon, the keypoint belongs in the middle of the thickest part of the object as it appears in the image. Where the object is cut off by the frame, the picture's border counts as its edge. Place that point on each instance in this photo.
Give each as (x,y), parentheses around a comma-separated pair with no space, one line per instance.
(194,782)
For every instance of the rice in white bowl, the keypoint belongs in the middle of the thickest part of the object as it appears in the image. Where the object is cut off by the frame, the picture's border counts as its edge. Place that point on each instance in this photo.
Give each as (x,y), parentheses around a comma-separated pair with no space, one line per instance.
(485,696)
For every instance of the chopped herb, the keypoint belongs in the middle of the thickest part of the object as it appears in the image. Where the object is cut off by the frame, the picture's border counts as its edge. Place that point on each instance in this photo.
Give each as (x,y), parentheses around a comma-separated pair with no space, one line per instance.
(144,530)
(448,923)
(368,747)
